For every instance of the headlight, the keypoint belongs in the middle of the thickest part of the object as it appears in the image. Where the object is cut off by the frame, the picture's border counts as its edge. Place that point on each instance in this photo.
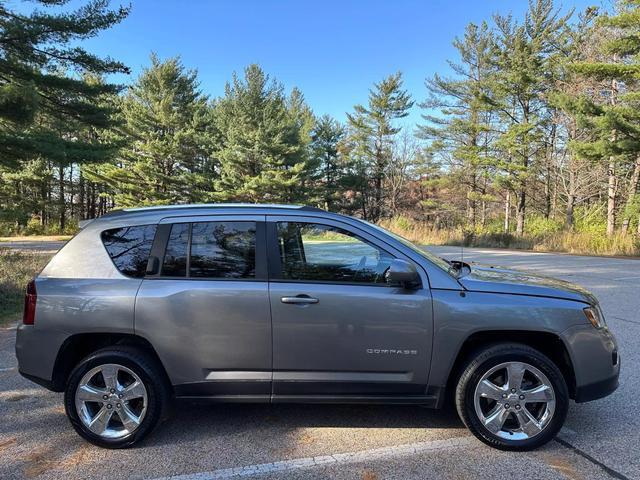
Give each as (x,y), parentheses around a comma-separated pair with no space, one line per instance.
(594,315)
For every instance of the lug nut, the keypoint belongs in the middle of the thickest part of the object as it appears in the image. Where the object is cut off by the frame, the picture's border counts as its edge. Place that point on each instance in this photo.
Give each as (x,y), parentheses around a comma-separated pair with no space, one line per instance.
(120,395)
(109,405)
(113,390)
(506,405)
(118,405)
(104,397)
(504,395)
(513,390)
(521,397)
(517,407)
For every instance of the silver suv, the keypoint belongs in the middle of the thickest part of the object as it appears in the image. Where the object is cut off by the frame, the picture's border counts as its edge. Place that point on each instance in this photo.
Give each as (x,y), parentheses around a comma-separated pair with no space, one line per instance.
(252,303)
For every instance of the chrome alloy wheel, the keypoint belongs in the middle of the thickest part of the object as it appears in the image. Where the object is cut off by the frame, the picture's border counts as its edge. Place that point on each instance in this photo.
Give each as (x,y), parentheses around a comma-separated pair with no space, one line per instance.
(515,401)
(111,401)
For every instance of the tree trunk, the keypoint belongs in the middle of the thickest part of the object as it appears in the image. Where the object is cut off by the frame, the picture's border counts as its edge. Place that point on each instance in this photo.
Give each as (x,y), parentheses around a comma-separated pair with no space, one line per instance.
(507,211)
(571,201)
(611,198)
(63,219)
(520,212)
(631,195)
(611,188)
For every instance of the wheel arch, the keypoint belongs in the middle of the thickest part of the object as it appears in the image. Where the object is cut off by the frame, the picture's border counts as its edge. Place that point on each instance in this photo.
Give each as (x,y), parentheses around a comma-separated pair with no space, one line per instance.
(80,345)
(548,343)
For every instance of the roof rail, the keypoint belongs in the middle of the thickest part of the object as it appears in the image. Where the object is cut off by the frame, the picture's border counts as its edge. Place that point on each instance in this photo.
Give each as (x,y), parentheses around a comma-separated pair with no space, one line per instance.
(187,206)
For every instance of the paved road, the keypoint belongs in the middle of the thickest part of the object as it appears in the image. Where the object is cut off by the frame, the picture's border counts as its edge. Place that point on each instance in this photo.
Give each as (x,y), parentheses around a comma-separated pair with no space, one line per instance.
(51,246)
(362,442)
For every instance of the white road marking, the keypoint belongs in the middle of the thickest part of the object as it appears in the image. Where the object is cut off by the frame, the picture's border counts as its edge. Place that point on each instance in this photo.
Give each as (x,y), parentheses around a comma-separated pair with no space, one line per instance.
(329,460)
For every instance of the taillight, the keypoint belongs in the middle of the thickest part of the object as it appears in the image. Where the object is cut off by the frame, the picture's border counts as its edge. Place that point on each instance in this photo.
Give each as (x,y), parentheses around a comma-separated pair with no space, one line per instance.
(29,314)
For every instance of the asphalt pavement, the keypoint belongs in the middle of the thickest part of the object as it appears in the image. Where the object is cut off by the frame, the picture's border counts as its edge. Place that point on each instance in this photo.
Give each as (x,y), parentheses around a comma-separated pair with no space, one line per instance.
(600,439)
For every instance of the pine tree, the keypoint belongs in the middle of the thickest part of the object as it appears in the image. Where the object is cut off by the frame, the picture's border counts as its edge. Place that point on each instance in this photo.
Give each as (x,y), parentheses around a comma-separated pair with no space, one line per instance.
(39,99)
(168,122)
(262,140)
(519,94)
(373,129)
(459,116)
(325,155)
(612,117)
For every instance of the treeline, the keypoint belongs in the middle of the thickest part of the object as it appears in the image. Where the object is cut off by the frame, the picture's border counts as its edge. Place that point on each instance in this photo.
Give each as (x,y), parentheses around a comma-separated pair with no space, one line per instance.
(536,128)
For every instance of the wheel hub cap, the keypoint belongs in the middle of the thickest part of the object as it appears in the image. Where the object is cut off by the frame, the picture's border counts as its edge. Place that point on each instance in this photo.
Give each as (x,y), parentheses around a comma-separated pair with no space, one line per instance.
(111,401)
(515,401)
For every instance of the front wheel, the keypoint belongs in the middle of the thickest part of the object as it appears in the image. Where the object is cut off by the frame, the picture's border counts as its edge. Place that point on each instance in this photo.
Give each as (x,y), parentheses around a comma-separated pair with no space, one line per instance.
(115,397)
(512,397)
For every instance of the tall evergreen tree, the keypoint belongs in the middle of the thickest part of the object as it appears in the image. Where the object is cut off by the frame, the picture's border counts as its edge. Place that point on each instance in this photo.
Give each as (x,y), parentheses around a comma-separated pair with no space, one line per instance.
(325,155)
(612,116)
(263,136)
(39,98)
(169,123)
(373,128)
(519,95)
(459,115)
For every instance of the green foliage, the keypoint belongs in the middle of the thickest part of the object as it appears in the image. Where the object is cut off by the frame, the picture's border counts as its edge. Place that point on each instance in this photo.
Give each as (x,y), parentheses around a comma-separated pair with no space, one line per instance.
(37,51)
(262,137)
(169,125)
(372,130)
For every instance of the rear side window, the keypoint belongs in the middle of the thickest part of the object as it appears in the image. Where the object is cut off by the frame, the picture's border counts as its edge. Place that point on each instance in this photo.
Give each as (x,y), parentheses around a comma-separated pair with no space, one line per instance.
(223,250)
(211,250)
(129,248)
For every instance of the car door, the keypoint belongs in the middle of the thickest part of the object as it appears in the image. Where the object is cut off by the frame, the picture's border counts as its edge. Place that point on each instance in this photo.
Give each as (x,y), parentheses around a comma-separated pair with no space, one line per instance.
(204,306)
(338,329)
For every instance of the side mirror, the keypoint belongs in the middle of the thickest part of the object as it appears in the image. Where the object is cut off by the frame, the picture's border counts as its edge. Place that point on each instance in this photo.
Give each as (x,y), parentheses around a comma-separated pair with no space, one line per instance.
(403,274)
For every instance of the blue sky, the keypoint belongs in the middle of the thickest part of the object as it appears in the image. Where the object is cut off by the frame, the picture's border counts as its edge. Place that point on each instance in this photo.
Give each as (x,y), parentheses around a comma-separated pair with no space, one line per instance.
(332,50)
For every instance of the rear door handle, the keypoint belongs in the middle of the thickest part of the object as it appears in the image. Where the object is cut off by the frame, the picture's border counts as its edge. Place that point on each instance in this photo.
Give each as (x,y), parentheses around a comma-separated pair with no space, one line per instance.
(300,300)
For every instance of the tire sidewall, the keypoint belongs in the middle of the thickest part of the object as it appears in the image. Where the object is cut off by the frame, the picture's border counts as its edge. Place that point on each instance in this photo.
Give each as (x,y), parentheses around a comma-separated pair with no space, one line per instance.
(144,372)
(465,396)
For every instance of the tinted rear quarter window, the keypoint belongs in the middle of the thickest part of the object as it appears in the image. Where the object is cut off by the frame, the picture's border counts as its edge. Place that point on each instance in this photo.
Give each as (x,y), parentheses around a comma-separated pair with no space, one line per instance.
(129,248)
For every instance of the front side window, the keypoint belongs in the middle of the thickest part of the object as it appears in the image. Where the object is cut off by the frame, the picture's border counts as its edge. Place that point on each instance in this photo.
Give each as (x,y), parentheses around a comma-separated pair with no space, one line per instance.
(316,252)
(129,248)
(211,250)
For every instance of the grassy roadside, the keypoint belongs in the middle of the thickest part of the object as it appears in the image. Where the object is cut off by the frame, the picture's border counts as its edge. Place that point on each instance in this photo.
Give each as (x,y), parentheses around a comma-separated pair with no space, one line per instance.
(16,269)
(36,238)
(582,243)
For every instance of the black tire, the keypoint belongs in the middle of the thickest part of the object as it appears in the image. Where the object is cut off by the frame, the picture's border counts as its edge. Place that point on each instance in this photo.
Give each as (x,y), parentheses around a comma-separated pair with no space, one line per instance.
(479,364)
(151,375)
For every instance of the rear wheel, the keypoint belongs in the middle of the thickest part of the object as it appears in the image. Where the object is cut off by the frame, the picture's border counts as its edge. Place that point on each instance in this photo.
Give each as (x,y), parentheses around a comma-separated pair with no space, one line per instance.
(115,397)
(512,397)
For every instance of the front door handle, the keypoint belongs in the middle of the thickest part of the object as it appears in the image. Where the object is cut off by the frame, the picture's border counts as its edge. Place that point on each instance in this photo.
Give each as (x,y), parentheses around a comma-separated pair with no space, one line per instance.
(300,300)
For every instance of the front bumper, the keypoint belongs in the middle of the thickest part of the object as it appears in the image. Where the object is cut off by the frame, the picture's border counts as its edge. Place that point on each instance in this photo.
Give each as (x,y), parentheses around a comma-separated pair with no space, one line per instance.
(596,361)
(597,390)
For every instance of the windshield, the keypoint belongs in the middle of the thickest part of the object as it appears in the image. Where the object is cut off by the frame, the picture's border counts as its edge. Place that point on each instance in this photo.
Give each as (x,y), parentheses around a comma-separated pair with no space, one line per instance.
(439,262)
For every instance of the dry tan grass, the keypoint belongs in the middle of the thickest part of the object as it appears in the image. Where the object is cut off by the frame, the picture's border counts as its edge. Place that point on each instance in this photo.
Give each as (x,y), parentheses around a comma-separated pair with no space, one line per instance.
(16,269)
(36,238)
(567,242)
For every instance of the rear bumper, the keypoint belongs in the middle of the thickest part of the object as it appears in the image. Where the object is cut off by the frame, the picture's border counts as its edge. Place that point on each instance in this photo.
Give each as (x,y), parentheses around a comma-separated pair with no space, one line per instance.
(48,384)
(36,351)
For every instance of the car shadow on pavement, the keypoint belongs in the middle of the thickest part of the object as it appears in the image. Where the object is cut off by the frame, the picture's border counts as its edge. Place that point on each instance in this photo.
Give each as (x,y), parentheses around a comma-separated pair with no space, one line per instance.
(195,420)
